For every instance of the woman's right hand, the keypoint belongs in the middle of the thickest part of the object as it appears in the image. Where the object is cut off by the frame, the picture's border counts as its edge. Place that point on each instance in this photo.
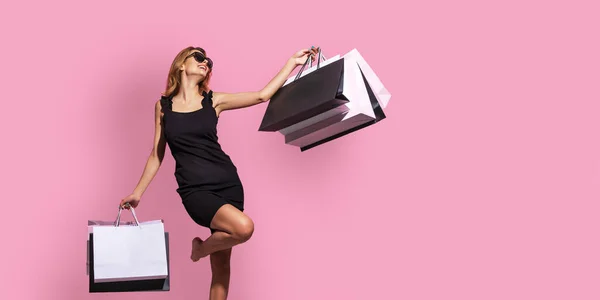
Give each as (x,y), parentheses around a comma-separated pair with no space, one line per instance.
(300,57)
(132,200)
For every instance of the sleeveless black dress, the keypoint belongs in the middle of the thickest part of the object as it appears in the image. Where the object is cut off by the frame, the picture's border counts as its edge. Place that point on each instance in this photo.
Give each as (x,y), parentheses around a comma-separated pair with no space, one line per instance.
(206,176)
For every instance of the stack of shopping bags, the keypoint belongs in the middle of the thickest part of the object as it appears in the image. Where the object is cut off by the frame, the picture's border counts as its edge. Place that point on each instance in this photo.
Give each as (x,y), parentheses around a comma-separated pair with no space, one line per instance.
(321,103)
(127,256)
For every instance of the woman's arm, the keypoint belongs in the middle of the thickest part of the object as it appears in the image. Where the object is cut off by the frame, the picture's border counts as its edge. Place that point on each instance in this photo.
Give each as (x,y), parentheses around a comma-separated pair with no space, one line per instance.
(152,163)
(156,155)
(228,101)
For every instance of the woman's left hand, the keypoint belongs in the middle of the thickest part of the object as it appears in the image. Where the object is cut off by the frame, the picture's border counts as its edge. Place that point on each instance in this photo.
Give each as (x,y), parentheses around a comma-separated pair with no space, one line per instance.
(301,56)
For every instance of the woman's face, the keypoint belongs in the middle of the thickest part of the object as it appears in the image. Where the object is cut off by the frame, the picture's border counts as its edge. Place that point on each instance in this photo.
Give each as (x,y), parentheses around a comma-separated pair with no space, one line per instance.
(197,64)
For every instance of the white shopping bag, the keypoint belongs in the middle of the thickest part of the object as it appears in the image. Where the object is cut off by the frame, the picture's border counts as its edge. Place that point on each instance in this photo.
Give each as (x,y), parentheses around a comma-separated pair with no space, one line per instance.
(381,93)
(128,252)
(367,97)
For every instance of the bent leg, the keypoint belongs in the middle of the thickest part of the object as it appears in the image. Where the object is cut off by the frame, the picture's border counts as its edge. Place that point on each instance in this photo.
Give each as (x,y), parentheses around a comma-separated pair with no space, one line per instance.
(233,228)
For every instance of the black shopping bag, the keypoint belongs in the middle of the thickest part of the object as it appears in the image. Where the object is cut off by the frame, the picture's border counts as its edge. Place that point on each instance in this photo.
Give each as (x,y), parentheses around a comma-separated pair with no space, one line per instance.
(306,97)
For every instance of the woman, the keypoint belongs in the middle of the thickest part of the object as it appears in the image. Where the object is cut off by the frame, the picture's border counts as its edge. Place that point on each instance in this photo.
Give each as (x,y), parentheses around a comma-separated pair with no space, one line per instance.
(186,119)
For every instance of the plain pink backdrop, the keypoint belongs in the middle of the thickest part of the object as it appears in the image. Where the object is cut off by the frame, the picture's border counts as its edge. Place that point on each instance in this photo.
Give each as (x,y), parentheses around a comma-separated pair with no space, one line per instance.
(482,183)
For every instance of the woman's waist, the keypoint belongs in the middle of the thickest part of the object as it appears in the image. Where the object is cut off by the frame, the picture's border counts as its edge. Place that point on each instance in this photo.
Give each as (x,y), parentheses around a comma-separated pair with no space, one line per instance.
(196,176)
(219,158)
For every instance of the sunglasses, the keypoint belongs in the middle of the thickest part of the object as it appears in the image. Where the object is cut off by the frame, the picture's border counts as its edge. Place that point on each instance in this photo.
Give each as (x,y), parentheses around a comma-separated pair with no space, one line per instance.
(200,58)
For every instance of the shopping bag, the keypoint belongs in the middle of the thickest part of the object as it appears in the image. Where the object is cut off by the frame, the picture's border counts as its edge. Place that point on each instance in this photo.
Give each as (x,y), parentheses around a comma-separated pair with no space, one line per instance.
(335,126)
(126,286)
(310,93)
(380,93)
(128,256)
(366,99)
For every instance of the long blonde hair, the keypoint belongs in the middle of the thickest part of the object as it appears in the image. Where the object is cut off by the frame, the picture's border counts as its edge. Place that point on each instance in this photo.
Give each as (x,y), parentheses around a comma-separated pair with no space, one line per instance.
(174,78)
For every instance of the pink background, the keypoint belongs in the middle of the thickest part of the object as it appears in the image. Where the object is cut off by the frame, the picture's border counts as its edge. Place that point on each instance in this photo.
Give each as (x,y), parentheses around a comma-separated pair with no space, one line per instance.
(482,183)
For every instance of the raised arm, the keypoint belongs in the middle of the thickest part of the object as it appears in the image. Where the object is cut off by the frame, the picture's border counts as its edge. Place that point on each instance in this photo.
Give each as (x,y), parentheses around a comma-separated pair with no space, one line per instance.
(228,101)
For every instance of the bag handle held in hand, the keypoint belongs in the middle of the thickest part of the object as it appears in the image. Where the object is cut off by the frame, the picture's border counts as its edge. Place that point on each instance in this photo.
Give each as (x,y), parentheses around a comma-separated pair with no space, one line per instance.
(309,60)
(118,221)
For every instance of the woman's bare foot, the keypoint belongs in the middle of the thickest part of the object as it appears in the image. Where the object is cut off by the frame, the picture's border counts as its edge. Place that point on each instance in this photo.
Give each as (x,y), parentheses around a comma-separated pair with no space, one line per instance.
(197,249)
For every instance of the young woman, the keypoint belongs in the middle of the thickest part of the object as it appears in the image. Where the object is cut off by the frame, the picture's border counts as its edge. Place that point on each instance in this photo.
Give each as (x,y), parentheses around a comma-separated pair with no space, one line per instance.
(186,119)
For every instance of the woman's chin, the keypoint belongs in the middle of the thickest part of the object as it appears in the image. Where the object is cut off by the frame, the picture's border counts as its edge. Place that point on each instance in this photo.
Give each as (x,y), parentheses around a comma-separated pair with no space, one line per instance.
(197,75)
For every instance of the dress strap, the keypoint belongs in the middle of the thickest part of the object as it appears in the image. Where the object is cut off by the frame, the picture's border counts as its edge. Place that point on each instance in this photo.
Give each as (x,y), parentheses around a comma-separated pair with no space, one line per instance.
(207,98)
(166,103)
(209,93)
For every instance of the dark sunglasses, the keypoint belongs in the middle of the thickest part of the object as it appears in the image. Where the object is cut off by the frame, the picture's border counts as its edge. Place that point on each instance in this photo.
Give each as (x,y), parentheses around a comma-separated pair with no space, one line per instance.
(199,57)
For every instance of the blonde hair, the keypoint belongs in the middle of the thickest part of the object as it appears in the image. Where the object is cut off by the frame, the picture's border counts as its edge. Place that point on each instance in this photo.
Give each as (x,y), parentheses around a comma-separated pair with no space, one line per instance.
(174,77)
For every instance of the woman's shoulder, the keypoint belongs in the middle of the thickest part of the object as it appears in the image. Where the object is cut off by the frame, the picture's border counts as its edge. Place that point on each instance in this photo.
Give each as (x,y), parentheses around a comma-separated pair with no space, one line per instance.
(216,97)
(163,102)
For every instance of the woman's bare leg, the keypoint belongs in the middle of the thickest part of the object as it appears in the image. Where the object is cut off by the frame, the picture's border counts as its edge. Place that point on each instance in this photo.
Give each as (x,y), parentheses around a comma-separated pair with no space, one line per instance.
(233,228)
(221,273)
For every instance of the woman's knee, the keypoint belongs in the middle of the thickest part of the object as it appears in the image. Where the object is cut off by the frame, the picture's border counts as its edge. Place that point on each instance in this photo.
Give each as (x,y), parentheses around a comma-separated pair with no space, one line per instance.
(244,229)
(230,219)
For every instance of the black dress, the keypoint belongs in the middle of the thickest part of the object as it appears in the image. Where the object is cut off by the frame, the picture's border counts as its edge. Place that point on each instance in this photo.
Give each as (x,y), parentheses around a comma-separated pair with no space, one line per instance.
(206,176)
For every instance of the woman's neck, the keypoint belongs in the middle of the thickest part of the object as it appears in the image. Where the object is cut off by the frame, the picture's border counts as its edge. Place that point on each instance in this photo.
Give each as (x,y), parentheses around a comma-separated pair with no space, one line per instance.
(188,90)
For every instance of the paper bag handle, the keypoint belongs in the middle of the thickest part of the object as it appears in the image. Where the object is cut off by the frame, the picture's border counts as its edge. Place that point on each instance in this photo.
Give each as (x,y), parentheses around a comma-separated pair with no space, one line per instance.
(320,56)
(118,221)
